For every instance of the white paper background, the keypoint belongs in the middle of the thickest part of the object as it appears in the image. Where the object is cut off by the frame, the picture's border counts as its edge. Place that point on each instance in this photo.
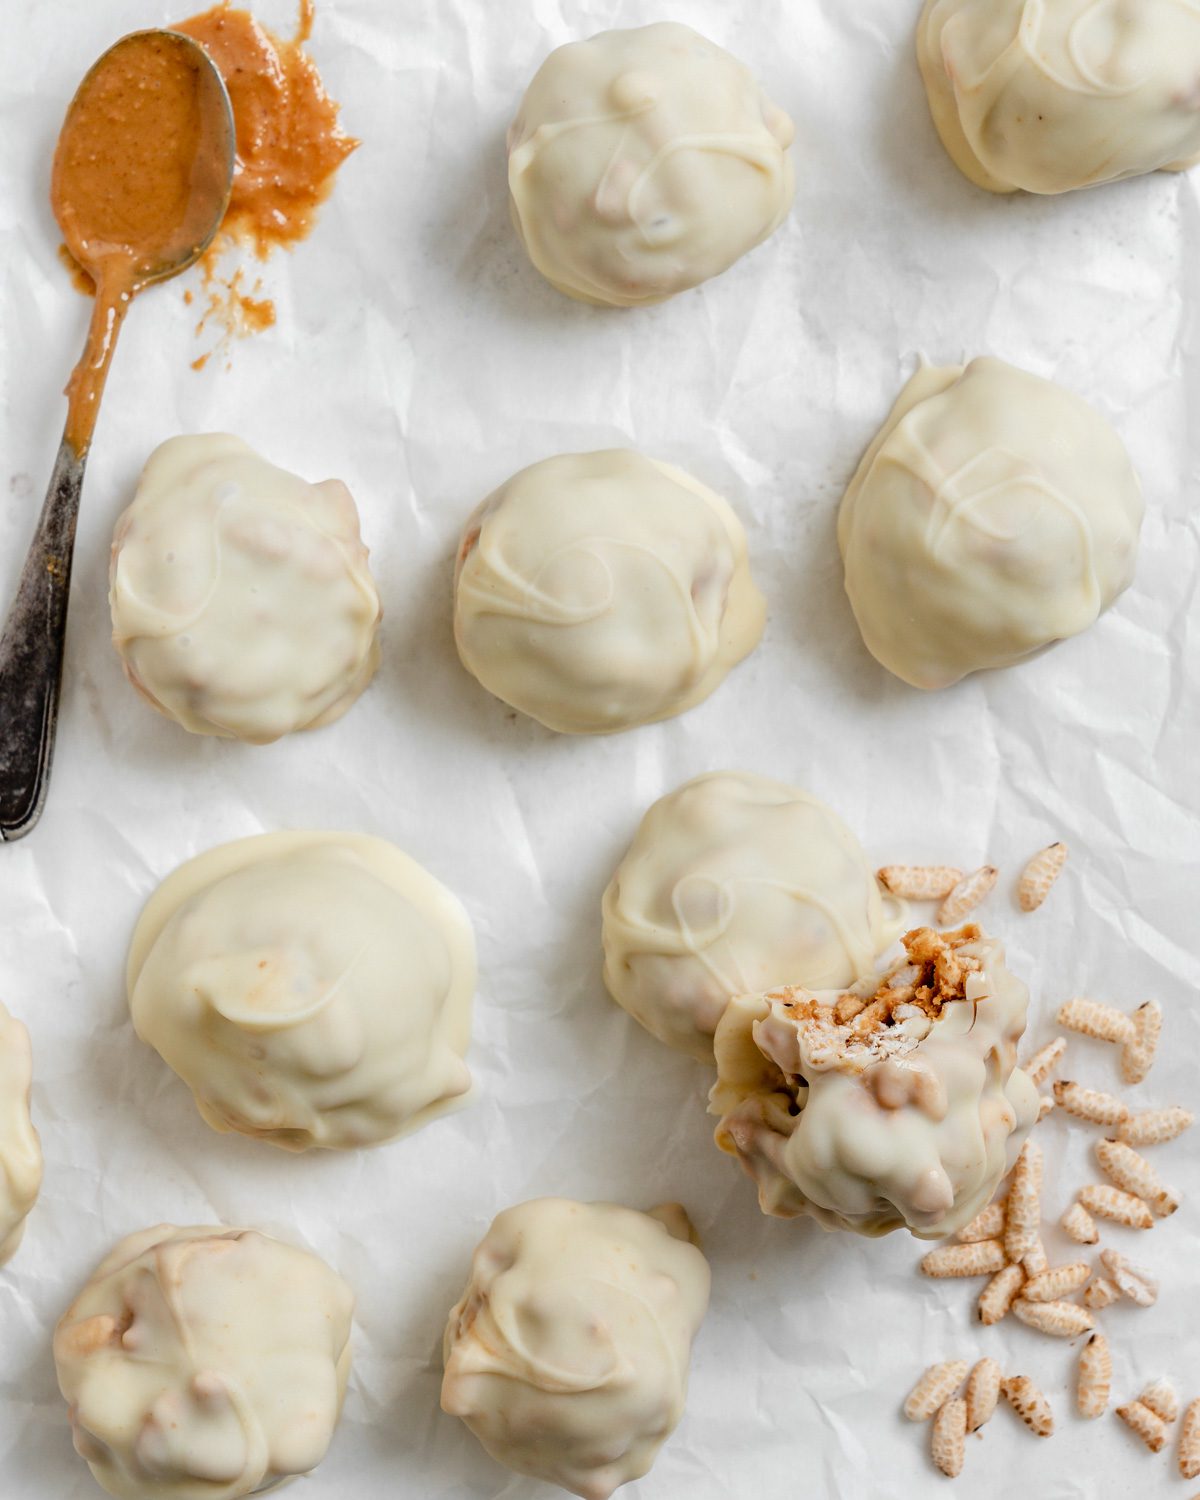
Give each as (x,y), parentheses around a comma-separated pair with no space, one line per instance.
(419,357)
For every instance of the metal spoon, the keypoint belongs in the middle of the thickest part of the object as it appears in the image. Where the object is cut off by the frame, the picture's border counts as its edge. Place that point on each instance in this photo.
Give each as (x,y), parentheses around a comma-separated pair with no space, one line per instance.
(139,195)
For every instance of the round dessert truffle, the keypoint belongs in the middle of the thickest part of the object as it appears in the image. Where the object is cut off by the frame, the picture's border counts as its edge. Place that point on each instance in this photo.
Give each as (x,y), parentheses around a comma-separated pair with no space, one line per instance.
(994,514)
(311,989)
(242,604)
(734,883)
(1063,94)
(643,162)
(898,1102)
(598,591)
(567,1355)
(20,1149)
(204,1362)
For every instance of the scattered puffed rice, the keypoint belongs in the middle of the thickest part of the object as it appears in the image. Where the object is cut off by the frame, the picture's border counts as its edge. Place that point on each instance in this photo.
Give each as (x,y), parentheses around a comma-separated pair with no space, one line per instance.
(1155,1126)
(1045,1105)
(1000,1293)
(1029,1404)
(919,882)
(1035,1261)
(1100,1293)
(1043,1063)
(1095,1377)
(1059,1282)
(988,1224)
(1101,1022)
(978,1259)
(1024,1202)
(1079,1225)
(1160,1397)
(1140,1419)
(1189,1442)
(934,1389)
(1039,875)
(1135,1175)
(1104,1202)
(1137,1055)
(1134,1282)
(1061,1320)
(1090,1104)
(967,895)
(949,1438)
(983,1392)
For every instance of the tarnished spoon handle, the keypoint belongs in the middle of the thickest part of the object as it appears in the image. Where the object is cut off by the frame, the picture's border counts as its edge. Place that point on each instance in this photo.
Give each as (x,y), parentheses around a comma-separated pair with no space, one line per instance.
(31,652)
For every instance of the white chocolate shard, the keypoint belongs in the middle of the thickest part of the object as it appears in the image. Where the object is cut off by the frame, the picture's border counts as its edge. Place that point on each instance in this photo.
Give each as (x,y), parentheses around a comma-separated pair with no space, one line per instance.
(311,989)
(1103,1023)
(993,514)
(861,1123)
(1132,1281)
(1161,1397)
(1057,1282)
(1045,1061)
(936,1386)
(643,162)
(1100,1293)
(1050,98)
(948,1438)
(204,1360)
(1154,1127)
(1029,1404)
(988,1224)
(734,884)
(1061,1320)
(997,1298)
(1133,1173)
(598,591)
(1137,1055)
(919,882)
(1039,875)
(1079,1225)
(1094,1386)
(983,1392)
(1024,1216)
(1104,1202)
(1090,1104)
(970,891)
(1141,1420)
(1189,1441)
(242,602)
(567,1354)
(20,1148)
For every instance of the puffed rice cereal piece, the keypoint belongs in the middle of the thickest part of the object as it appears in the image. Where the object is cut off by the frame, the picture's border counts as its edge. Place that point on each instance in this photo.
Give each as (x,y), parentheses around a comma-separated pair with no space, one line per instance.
(1039,875)
(1079,1225)
(938,1384)
(1134,1282)
(1154,1127)
(1137,1055)
(1189,1441)
(980,1258)
(949,1438)
(1104,1202)
(1045,1061)
(919,882)
(1045,1107)
(1103,1023)
(1090,1104)
(988,1224)
(1150,1428)
(1100,1293)
(1029,1404)
(1056,1283)
(967,895)
(1001,1292)
(1162,1399)
(1037,1261)
(1095,1377)
(1134,1174)
(1061,1320)
(1024,1202)
(983,1392)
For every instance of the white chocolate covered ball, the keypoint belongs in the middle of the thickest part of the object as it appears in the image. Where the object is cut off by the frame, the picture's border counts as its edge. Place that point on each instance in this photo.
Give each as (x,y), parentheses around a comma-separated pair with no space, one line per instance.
(567,1355)
(20,1149)
(994,514)
(642,162)
(204,1362)
(733,884)
(242,603)
(311,989)
(896,1103)
(598,591)
(1051,95)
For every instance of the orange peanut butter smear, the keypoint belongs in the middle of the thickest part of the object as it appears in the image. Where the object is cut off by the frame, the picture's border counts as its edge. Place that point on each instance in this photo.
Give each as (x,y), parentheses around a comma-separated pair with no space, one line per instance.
(289,142)
(129,189)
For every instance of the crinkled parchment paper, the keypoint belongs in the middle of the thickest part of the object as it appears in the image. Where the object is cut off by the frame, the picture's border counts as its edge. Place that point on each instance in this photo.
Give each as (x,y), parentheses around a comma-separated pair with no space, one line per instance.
(420,358)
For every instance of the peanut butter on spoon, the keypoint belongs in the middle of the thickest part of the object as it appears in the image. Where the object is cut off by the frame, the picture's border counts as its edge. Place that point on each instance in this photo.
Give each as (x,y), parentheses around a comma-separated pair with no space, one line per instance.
(141,183)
